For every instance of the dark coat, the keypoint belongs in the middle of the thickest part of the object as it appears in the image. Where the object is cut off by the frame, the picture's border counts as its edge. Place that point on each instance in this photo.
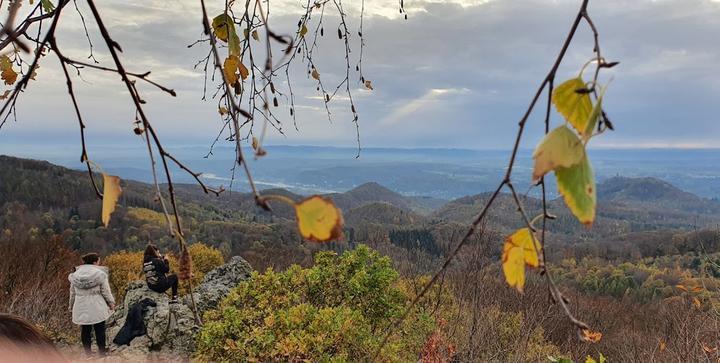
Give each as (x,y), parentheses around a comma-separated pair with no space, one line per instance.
(155,270)
(134,322)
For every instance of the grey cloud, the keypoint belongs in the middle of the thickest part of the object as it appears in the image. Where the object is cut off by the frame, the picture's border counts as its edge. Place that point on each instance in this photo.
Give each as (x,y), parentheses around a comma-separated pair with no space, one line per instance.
(663,93)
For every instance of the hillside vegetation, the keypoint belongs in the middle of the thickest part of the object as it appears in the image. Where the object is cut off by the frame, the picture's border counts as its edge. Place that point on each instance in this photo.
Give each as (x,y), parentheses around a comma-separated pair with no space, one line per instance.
(652,256)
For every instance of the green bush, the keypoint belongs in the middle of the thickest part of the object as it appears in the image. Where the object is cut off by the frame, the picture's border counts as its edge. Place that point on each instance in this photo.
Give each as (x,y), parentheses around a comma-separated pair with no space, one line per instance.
(335,311)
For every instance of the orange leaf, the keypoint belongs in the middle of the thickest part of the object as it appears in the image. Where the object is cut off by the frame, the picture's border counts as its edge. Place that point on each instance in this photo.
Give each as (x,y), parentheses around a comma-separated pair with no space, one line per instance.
(590,336)
(681,287)
(696,302)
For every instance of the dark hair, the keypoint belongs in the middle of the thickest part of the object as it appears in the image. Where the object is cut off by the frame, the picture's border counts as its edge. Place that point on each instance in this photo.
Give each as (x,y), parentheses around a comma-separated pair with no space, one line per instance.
(151,251)
(18,330)
(90,258)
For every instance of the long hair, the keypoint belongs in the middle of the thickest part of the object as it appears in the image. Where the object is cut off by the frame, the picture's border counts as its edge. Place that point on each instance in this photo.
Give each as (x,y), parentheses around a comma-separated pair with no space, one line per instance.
(18,330)
(21,341)
(151,251)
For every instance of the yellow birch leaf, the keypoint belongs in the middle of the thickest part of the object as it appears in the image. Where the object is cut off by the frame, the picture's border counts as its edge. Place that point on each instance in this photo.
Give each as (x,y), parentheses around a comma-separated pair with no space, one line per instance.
(575,107)
(561,148)
(518,251)
(230,67)
(255,143)
(577,186)
(315,74)
(318,219)
(223,26)
(255,35)
(303,30)
(662,346)
(111,195)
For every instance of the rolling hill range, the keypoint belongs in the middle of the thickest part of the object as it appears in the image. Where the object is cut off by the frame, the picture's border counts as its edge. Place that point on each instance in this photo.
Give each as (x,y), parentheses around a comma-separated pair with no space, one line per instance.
(624,205)
(628,209)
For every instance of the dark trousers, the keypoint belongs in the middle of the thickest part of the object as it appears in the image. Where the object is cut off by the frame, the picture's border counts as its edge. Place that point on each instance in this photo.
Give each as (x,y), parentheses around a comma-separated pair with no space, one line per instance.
(170,281)
(86,337)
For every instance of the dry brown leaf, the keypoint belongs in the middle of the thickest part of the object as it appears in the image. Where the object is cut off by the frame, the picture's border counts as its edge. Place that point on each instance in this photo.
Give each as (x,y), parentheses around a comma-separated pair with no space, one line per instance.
(368,84)
(708,349)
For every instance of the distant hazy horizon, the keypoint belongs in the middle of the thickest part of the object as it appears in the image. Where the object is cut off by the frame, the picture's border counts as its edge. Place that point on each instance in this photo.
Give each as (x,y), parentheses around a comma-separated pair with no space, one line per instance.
(436,172)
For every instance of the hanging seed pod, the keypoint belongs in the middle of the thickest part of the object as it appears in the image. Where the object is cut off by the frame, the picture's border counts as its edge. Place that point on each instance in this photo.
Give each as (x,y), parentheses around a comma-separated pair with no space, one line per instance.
(327,97)
(272,87)
(291,111)
(275,102)
(339,33)
(322,32)
(185,272)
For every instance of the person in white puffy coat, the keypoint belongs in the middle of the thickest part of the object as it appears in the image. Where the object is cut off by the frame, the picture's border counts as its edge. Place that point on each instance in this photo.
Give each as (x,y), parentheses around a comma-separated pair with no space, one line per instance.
(91,301)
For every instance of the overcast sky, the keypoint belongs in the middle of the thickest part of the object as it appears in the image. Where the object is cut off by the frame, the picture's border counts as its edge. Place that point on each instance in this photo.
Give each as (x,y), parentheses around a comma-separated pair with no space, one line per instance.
(456,73)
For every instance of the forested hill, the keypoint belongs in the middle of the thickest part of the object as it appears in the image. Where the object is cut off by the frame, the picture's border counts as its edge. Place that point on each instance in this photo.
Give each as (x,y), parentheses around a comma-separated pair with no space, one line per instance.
(624,205)
(37,194)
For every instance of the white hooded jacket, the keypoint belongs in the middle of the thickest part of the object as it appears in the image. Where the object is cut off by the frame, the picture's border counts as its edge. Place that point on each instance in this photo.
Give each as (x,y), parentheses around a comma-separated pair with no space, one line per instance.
(90,295)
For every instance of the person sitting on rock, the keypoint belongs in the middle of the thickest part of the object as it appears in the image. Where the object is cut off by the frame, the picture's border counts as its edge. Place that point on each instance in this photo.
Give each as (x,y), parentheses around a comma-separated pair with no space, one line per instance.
(155,267)
(91,301)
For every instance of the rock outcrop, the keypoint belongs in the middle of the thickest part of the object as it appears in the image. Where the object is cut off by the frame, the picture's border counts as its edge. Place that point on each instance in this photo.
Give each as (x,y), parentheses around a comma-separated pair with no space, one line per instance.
(217,283)
(171,328)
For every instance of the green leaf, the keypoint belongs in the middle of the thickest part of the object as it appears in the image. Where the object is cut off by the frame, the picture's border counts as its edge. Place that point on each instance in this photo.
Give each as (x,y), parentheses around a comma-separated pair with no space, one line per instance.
(575,107)
(559,148)
(594,116)
(577,186)
(234,44)
(223,26)
(47,5)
